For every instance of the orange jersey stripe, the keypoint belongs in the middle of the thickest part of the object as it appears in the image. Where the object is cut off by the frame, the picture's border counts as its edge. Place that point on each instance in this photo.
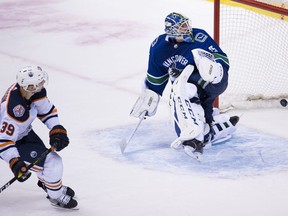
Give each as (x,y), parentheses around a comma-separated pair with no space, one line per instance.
(6,144)
(58,185)
(43,117)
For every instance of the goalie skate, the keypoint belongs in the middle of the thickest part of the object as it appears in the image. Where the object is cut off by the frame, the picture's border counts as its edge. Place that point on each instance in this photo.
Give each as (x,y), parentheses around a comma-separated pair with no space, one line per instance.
(194,148)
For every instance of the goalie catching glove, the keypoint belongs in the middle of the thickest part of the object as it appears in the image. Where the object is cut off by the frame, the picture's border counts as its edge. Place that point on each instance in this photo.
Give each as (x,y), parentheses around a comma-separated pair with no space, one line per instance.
(209,69)
(58,137)
(147,102)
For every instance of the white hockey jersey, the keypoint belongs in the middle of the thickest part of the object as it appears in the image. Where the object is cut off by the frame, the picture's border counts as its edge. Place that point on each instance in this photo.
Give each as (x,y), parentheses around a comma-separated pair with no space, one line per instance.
(17,115)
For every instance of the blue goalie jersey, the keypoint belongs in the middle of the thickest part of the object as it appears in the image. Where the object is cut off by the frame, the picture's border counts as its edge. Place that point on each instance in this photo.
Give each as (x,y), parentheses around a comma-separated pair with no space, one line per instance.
(166,55)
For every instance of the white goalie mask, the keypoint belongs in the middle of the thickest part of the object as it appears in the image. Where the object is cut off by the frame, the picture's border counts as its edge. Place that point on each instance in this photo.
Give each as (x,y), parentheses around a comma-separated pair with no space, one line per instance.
(32,76)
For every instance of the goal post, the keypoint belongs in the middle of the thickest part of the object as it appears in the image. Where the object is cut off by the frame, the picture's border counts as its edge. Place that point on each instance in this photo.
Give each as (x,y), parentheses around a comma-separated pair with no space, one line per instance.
(254,35)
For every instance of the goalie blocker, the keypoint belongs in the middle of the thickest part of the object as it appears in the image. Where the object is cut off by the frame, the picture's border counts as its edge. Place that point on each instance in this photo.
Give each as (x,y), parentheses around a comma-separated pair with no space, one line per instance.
(147,102)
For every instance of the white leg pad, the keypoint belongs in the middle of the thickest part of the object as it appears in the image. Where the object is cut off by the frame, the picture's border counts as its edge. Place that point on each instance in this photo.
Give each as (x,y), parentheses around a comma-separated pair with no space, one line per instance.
(189,117)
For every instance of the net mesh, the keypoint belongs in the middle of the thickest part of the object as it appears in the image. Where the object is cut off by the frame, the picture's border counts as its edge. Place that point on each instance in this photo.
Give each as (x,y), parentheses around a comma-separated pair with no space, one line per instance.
(256,43)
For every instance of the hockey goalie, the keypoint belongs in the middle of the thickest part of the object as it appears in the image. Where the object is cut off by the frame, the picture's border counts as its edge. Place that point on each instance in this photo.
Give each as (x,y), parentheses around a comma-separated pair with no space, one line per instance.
(198,71)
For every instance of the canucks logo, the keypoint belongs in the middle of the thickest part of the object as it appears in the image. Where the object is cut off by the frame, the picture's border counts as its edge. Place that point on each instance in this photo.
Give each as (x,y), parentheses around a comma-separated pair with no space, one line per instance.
(174,71)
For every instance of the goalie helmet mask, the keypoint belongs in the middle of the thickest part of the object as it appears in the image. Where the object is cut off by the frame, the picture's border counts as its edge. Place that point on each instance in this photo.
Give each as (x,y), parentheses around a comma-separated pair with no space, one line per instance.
(32,76)
(178,26)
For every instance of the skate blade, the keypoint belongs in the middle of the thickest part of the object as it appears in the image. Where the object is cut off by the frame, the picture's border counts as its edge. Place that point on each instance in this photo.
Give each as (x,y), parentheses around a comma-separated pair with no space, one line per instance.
(65,209)
(191,152)
(219,141)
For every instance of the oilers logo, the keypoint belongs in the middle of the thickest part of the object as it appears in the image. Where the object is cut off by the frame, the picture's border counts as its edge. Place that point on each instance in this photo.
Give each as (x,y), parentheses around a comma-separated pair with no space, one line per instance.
(18,111)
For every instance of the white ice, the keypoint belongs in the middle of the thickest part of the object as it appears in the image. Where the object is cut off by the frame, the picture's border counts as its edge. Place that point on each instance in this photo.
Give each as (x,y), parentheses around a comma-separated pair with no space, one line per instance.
(96,55)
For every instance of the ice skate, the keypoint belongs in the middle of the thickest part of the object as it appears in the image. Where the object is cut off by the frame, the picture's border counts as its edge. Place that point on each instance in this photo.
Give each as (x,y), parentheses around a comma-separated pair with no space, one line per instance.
(65,189)
(64,201)
(193,148)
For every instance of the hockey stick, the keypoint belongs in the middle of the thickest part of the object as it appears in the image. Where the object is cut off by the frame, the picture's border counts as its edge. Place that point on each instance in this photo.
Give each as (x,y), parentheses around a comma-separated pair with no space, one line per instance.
(124,143)
(42,156)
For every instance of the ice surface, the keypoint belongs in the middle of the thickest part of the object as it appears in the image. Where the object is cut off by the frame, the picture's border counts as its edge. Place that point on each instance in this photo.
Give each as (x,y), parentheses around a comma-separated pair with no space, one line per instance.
(96,53)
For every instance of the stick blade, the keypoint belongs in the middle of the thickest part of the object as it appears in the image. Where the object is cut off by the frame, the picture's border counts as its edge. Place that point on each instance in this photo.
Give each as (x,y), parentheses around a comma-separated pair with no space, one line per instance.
(123,145)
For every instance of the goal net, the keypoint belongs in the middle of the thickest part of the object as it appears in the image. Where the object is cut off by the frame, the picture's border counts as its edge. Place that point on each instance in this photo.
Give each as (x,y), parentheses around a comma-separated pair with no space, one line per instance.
(254,35)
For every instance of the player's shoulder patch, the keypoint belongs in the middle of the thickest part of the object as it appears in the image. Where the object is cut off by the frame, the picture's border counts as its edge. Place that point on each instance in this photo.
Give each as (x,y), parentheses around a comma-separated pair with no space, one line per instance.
(158,41)
(17,108)
(154,42)
(19,111)
(200,35)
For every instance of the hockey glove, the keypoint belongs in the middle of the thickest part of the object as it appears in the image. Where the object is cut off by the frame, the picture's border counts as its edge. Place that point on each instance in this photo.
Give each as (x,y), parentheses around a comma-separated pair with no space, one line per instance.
(148,101)
(58,137)
(19,169)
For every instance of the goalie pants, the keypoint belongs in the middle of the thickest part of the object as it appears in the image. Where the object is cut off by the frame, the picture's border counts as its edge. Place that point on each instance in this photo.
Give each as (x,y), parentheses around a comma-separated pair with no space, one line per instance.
(49,170)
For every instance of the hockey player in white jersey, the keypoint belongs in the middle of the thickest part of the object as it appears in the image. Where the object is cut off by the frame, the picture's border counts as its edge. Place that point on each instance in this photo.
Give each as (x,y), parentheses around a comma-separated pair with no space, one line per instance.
(198,70)
(22,103)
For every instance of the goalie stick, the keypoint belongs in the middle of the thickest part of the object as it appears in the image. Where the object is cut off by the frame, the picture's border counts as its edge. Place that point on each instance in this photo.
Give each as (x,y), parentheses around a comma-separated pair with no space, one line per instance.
(42,156)
(124,142)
